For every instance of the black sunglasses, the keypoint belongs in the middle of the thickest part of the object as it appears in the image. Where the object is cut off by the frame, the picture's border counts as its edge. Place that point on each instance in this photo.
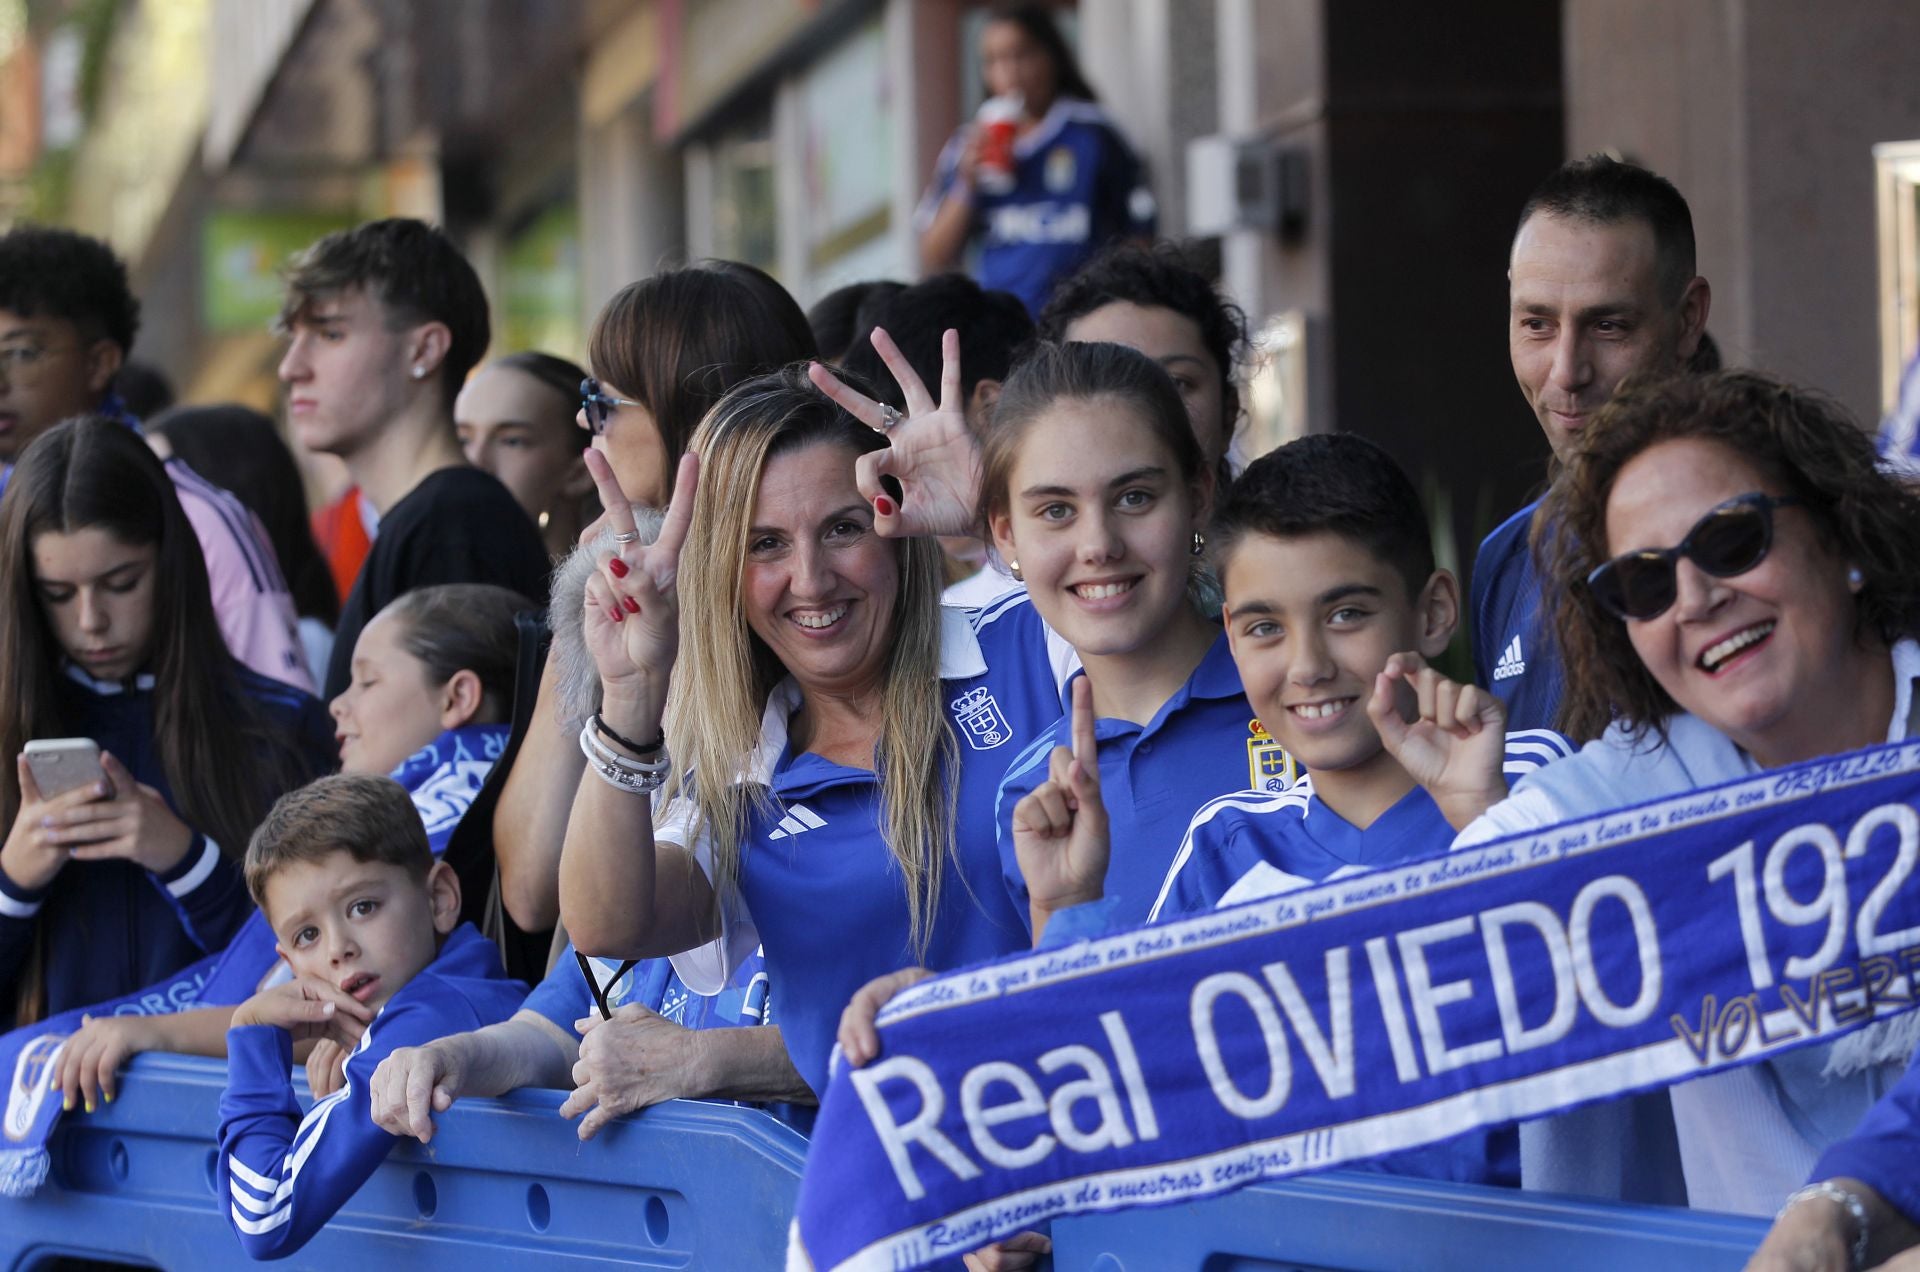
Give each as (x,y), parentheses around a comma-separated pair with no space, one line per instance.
(1731,539)
(598,406)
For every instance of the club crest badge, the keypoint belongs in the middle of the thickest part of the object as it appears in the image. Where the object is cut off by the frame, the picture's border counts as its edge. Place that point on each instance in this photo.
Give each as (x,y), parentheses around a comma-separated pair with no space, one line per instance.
(1269,767)
(1061,170)
(32,1082)
(978,718)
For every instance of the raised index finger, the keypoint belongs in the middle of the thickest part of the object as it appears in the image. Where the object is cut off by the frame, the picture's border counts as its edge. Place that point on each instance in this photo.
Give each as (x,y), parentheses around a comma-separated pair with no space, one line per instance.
(913,390)
(613,500)
(1085,748)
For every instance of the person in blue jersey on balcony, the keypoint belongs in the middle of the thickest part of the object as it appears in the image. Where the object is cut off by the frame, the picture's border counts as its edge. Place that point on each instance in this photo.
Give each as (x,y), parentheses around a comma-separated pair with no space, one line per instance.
(1043,186)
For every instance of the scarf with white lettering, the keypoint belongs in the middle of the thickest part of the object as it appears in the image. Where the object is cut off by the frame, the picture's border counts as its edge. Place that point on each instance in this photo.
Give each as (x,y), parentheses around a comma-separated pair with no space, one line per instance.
(1374,1014)
(443,778)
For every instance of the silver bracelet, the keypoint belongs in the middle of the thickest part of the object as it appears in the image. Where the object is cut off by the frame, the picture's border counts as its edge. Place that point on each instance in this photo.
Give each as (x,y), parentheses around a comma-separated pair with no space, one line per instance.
(1848,1201)
(637,777)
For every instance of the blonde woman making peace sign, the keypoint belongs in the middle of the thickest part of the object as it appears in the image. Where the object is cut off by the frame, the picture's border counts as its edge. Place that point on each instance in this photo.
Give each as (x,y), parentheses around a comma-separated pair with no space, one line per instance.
(798,748)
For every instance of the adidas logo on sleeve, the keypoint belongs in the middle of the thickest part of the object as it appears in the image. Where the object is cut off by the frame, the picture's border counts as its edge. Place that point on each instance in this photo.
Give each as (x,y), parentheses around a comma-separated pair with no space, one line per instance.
(1511,662)
(799,820)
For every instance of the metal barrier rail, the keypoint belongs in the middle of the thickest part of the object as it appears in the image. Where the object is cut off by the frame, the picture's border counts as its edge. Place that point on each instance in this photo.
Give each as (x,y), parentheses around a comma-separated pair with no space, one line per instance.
(1353,1222)
(505,1183)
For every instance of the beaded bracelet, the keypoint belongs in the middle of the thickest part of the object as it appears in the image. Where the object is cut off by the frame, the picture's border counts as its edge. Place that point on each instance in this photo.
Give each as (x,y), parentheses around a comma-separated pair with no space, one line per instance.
(1847,1201)
(637,777)
(600,724)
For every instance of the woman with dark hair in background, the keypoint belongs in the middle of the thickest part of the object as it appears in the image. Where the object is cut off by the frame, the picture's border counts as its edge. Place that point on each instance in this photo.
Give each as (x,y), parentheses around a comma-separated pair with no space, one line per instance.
(1152,299)
(1044,180)
(515,419)
(663,351)
(239,449)
(109,634)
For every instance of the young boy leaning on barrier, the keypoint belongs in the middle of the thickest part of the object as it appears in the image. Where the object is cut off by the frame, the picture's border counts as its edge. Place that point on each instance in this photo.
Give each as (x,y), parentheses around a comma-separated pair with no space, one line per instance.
(1333,605)
(369,923)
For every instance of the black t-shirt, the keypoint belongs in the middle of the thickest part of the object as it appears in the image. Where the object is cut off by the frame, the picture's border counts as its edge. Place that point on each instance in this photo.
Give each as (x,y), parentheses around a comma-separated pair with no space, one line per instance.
(459,525)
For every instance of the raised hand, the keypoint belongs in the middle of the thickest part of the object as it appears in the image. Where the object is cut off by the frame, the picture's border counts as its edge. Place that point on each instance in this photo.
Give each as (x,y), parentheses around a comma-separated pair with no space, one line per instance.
(414,1083)
(931,452)
(859,1040)
(1451,738)
(632,606)
(133,823)
(307,1008)
(1060,827)
(36,846)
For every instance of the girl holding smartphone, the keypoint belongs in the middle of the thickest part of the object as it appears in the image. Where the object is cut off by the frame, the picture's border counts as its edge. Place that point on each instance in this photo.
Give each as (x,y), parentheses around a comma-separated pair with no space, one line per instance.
(109,634)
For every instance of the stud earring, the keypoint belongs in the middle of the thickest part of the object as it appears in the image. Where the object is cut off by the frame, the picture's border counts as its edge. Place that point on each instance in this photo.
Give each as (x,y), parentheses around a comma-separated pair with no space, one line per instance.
(1199,543)
(418,372)
(1013,568)
(1855,579)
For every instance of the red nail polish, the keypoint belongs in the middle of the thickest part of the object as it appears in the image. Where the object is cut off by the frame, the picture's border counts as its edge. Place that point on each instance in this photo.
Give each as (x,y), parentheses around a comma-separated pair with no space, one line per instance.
(619,616)
(618,567)
(633,606)
(883,505)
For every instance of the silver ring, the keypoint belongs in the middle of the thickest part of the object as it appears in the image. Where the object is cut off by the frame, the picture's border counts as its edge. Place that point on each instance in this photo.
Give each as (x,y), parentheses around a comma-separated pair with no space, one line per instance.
(628,537)
(889,418)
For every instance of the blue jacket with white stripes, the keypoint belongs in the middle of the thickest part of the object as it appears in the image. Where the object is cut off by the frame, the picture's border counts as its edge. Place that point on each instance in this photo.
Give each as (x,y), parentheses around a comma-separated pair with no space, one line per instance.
(282,1176)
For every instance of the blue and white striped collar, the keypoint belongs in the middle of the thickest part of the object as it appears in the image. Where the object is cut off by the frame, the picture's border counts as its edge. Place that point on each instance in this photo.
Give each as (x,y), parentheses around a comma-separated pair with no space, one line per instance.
(141,682)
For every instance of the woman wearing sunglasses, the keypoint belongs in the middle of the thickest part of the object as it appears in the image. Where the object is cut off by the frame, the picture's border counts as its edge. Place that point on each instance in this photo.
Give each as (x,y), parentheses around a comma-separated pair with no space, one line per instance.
(1732,584)
(663,351)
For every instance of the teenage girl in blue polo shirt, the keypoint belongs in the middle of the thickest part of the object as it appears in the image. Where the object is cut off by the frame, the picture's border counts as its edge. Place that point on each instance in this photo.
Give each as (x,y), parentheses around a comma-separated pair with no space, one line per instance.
(1094,484)
(825,779)
(1075,183)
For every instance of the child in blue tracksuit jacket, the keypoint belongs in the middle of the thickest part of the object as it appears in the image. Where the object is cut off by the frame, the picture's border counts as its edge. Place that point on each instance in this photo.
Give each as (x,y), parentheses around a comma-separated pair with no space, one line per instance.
(369,923)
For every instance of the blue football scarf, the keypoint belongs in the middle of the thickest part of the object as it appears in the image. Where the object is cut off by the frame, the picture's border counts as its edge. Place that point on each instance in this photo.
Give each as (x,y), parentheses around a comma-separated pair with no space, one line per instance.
(443,778)
(1374,1014)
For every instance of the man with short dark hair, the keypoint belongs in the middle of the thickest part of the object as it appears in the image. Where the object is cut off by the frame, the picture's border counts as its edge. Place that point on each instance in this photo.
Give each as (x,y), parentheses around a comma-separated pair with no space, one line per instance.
(67,319)
(384,322)
(1602,287)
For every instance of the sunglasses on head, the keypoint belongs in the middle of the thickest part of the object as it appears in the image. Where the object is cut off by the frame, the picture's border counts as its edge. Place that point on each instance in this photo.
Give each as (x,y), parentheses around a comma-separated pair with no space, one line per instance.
(598,405)
(1731,539)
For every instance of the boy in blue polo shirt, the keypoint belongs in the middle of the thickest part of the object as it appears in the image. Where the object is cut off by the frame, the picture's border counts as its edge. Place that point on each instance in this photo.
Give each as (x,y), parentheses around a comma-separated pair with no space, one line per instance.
(369,923)
(1328,570)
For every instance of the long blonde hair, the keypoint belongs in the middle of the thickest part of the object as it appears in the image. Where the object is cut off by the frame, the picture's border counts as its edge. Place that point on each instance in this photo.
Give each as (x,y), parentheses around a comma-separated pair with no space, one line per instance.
(725,674)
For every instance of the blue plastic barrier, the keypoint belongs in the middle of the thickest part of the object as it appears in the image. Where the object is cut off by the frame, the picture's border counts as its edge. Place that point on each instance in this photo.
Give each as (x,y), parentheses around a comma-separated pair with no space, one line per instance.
(505,1183)
(1348,1222)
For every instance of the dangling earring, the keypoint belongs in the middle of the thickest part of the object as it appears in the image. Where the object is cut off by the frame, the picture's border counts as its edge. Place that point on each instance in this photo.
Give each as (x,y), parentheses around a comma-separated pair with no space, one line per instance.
(1013,568)
(1855,579)
(1199,543)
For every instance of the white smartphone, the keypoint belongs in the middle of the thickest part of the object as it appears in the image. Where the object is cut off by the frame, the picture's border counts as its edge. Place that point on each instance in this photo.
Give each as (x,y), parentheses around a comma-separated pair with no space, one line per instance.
(61,764)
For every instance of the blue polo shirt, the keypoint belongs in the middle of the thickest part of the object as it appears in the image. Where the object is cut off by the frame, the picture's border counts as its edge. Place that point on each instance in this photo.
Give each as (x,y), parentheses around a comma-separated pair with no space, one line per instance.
(1203,742)
(1514,653)
(1255,844)
(1077,186)
(818,889)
